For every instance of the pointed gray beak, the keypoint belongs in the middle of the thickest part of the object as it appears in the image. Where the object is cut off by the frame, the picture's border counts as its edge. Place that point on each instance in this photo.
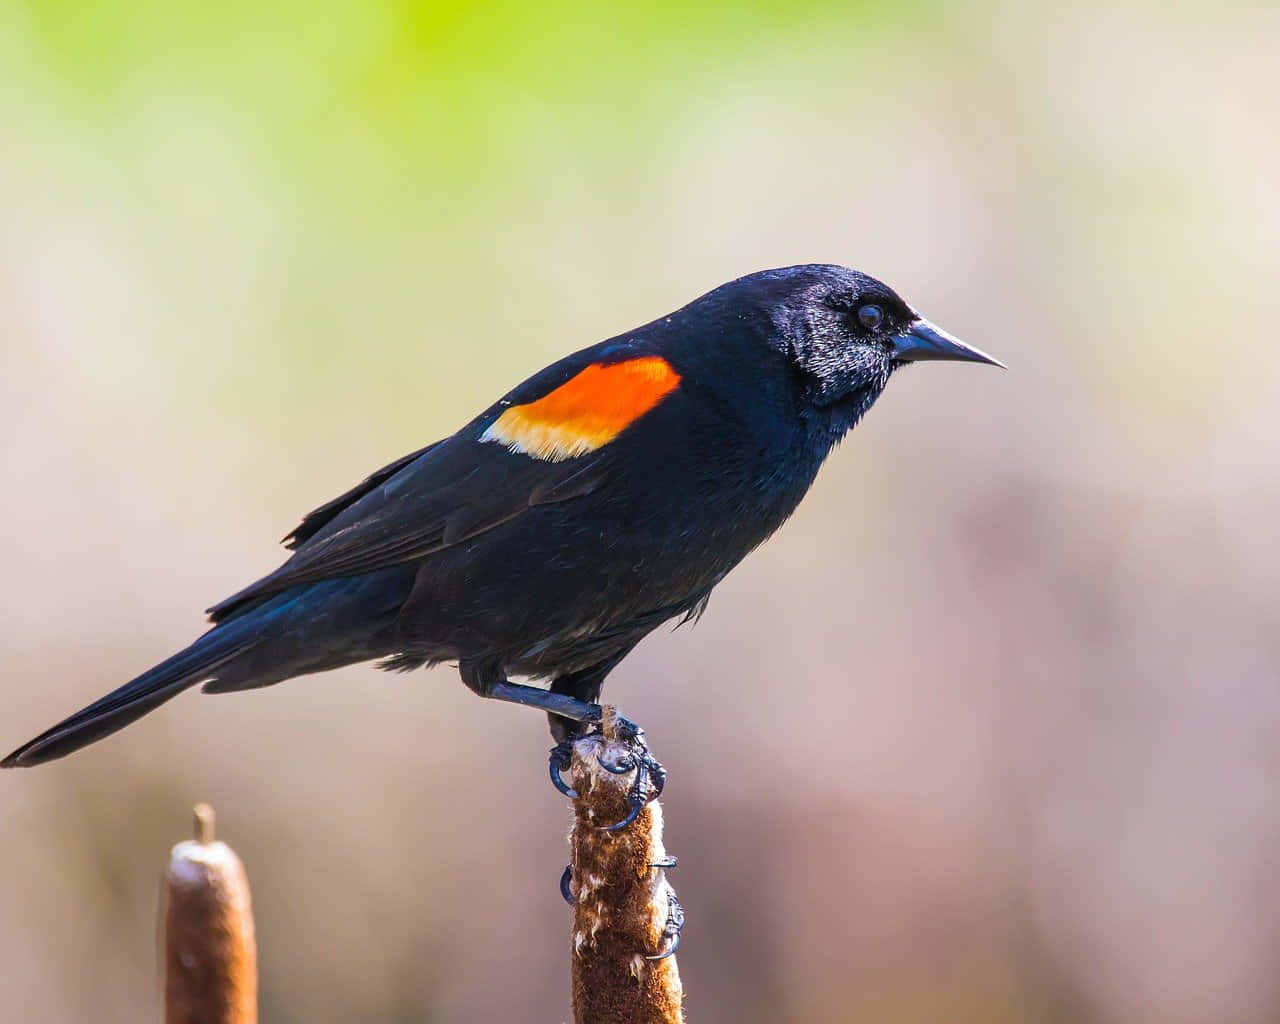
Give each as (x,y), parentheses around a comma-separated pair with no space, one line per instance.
(922,340)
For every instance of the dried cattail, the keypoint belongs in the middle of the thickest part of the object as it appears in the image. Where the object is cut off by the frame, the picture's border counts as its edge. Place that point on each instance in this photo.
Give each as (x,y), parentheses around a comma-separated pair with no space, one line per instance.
(626,918)
(211,973)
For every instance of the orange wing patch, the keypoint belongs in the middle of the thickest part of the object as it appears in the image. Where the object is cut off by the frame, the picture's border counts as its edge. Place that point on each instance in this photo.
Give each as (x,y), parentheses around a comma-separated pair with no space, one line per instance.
(586,412)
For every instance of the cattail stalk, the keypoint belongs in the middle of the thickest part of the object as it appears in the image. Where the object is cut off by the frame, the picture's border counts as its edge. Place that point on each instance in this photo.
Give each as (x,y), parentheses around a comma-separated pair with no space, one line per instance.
(210,958)
(623,907)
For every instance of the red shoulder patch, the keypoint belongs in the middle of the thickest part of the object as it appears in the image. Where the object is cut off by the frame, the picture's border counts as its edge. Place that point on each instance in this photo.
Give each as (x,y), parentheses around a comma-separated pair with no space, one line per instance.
(586,412)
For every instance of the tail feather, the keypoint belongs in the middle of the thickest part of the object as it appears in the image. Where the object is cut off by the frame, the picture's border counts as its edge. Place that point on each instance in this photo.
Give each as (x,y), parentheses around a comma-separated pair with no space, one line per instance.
(308,629)
(132,700)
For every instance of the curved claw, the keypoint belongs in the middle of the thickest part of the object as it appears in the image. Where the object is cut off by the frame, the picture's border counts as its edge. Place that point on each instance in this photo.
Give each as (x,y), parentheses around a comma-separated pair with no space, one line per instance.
(636,808)
(558,762)
(648,785)
(669,952)
(624,765)
(566,882)
(671,932)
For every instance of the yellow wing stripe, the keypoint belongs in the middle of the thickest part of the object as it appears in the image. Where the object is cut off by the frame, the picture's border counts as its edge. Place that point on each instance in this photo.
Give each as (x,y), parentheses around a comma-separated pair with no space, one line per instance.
(586,412)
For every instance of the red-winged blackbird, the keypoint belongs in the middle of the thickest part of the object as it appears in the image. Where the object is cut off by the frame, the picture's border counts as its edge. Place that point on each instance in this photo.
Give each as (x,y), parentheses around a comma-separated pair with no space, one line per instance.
(602,497)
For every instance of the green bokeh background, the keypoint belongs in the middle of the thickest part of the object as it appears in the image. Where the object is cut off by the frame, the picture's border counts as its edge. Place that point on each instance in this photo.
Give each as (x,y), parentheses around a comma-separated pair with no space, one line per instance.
(986,733)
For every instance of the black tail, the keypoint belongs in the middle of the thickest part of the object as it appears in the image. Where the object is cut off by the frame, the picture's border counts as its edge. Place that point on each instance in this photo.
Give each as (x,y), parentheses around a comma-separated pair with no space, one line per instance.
(133,700)
(307,629)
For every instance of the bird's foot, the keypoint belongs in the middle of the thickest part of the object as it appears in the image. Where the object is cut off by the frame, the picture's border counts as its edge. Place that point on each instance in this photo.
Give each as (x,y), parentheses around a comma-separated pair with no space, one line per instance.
(671,931)
(650,778)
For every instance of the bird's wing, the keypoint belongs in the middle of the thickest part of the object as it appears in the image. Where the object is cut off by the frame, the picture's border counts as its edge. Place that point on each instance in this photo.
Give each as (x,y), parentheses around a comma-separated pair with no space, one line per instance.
(546,442)
(315,521)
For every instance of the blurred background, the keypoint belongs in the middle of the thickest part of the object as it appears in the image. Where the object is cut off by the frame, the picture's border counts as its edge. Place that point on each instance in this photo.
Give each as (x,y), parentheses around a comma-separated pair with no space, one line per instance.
(989,732)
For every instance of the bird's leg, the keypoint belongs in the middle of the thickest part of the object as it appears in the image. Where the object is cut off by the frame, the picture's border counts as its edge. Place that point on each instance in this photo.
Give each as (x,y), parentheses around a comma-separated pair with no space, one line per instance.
(561,704)
(584,684)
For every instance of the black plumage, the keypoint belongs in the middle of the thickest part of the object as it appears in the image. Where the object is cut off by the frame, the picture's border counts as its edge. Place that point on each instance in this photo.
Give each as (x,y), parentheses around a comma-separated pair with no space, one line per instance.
(602,497)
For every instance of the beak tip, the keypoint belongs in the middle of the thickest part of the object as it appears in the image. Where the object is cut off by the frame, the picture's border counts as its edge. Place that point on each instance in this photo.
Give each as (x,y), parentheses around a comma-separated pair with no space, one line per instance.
(923,340)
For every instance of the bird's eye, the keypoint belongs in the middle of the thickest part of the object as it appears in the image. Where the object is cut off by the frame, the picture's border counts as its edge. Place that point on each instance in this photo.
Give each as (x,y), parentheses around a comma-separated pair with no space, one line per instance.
(871,316)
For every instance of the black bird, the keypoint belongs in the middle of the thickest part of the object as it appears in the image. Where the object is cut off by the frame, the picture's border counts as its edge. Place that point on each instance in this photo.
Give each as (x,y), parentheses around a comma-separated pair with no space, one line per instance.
(602,497)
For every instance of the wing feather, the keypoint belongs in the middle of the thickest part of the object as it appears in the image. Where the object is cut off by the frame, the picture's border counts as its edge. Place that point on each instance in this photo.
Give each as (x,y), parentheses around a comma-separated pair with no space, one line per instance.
(445,495)
(313,522)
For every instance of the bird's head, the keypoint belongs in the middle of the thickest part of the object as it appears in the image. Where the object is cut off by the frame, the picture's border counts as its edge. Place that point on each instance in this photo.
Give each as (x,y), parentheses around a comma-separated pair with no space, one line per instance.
(845,332)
